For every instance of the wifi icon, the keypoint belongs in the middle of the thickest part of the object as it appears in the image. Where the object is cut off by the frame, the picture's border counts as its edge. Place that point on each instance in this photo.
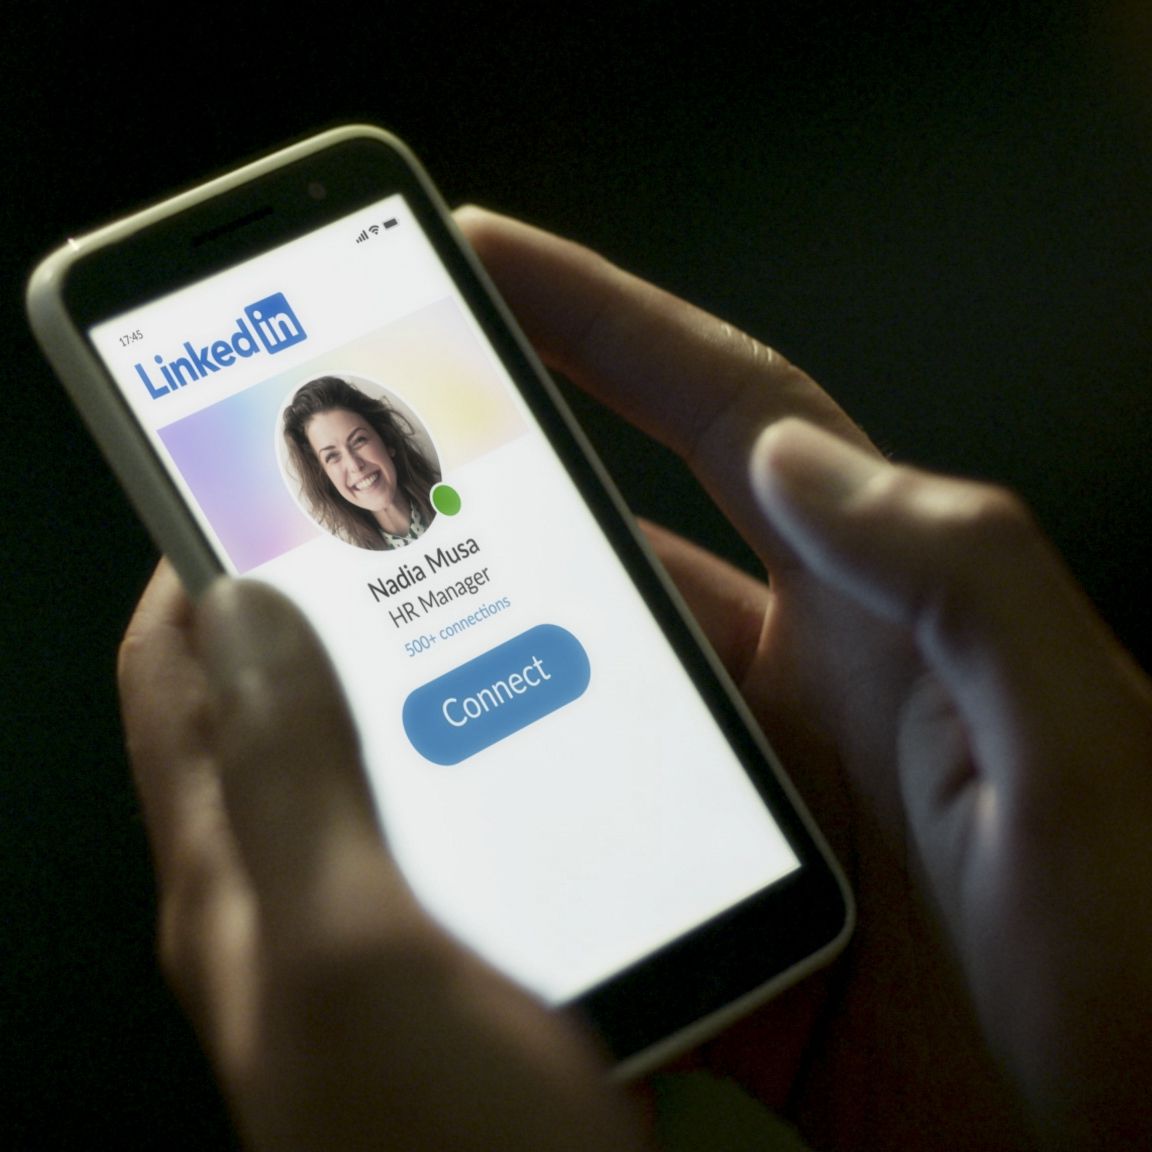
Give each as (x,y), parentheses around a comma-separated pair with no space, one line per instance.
(374,229)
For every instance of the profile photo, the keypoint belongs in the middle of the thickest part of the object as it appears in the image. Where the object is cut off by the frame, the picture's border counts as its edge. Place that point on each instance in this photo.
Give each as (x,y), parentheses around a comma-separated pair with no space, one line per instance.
(361,463)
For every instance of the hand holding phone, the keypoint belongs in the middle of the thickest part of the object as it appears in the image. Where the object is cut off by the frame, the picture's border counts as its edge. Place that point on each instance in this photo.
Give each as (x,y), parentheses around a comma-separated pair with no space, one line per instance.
(954,752)
(894,1057)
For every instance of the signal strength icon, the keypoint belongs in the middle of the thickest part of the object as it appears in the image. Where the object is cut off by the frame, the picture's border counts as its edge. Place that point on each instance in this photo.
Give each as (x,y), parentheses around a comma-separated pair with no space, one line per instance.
(375,230)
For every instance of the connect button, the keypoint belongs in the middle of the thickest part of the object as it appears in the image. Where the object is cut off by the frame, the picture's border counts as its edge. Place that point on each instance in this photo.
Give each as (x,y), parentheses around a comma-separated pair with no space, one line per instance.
(498,693)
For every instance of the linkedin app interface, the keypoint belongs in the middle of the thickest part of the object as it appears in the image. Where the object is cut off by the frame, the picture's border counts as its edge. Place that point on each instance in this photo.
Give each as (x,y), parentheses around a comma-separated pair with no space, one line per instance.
(549,780)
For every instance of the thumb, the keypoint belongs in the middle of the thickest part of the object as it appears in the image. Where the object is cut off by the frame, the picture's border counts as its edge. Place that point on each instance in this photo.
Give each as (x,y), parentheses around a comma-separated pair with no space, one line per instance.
(291,775)
(963,568)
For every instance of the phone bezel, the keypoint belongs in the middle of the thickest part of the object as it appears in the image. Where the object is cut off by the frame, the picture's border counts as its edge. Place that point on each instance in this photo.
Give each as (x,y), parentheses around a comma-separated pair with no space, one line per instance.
(686,989)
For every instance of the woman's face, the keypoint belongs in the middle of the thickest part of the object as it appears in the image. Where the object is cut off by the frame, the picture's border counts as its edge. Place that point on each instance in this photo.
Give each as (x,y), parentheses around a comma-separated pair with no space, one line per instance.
(355,459)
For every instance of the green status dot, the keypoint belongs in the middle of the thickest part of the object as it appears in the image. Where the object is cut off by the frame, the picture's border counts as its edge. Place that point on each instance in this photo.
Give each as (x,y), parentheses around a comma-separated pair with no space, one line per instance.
(446,499)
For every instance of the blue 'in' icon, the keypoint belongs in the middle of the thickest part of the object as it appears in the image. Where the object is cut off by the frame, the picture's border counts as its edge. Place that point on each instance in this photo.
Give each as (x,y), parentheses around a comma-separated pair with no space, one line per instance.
(275,323)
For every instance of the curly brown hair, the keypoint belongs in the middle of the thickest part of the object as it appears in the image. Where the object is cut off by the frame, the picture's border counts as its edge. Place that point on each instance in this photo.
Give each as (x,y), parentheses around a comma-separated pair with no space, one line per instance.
(415,473)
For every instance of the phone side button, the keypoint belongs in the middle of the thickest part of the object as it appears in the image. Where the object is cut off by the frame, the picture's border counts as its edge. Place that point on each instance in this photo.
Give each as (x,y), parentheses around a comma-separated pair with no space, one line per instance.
(496,694)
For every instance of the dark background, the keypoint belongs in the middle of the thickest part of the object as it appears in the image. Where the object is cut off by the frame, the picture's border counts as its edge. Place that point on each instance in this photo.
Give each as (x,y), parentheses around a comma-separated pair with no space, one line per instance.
(940,209)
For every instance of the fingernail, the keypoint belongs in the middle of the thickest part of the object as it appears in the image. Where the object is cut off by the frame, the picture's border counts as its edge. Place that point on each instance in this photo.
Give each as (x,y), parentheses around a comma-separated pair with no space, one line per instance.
(798,468)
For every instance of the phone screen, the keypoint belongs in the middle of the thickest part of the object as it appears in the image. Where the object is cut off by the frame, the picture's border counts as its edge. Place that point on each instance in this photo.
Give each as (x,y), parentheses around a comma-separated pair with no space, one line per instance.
(547,774)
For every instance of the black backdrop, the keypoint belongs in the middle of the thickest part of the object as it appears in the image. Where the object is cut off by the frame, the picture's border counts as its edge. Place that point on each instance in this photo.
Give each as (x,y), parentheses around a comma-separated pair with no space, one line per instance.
(940,209)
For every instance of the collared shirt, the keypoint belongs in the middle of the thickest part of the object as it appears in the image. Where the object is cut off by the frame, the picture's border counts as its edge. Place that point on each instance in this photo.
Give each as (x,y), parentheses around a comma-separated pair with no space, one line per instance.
(416,529)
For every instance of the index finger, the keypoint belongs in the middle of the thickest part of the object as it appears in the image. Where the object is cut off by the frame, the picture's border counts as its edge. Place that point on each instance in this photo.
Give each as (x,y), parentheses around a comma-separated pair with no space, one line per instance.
(691,381)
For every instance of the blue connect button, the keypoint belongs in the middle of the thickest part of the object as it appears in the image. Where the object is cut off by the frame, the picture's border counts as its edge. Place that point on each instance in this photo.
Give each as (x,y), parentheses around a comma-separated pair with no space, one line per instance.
(498,693)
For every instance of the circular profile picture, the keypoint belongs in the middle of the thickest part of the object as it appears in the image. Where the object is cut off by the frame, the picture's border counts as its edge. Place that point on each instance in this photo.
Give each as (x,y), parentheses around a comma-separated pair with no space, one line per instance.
(359,462)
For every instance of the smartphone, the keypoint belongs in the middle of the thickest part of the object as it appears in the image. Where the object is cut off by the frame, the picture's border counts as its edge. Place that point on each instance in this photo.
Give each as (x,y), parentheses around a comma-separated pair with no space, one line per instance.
(301,374)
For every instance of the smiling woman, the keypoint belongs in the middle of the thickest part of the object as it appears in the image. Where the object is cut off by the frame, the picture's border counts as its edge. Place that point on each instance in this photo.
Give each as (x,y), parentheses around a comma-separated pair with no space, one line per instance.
(363,470)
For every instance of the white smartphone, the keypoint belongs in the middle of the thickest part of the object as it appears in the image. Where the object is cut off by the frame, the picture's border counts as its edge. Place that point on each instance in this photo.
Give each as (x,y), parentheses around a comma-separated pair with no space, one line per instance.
(301,374)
